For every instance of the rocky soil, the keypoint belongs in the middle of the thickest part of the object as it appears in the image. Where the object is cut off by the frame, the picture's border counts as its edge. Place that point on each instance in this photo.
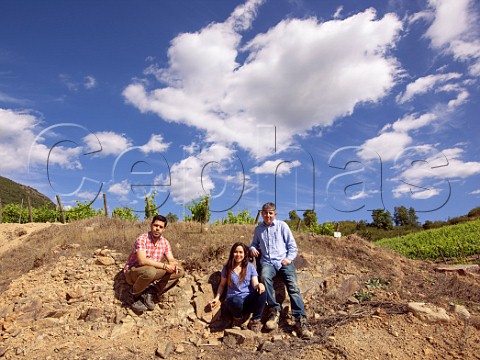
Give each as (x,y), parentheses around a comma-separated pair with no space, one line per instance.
(362,302)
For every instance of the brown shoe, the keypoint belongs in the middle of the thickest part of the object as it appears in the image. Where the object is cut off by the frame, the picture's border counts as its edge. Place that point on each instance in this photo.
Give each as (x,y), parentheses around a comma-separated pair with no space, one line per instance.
(302,330)
(272,322)
(255,325)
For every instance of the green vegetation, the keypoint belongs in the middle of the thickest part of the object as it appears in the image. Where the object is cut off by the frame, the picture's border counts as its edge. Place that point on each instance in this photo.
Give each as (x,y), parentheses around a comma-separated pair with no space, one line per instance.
(171,218)
(456,241)
(310,218)
(363,295)
(124,213)
(200,210)
(81,211)
(324,229)
(371,284)
(242,217)
(382,219)
(15,213)
(404,217)
(150,206)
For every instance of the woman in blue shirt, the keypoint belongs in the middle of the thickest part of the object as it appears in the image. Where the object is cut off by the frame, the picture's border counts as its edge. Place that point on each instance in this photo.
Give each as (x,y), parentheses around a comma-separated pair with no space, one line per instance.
(245,294)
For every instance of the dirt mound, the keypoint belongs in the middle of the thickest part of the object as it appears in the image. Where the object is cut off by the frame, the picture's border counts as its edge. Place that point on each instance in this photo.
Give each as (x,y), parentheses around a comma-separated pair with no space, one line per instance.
(11,235)
(362,302)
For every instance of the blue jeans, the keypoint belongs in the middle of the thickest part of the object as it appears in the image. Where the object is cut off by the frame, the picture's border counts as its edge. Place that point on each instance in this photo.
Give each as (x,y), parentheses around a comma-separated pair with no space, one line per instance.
(289,275)
(253,302)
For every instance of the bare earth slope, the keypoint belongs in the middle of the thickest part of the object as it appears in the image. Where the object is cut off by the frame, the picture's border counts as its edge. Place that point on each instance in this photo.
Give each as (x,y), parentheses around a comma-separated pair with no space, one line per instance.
(357,299)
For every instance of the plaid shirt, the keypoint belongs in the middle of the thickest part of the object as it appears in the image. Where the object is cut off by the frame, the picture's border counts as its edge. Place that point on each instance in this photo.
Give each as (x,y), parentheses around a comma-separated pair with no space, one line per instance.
(154,250)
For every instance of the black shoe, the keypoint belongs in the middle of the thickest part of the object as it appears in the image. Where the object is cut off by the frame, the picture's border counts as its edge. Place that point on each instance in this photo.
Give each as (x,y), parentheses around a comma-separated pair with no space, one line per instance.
(138,306)
(147,298)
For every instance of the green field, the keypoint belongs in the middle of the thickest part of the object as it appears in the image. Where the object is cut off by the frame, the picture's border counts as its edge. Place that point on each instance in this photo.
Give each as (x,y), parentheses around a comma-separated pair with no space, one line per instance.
(456,241)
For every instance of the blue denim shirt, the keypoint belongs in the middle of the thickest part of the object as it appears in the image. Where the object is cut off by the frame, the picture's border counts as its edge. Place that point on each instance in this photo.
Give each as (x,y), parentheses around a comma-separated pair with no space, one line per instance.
(275,243)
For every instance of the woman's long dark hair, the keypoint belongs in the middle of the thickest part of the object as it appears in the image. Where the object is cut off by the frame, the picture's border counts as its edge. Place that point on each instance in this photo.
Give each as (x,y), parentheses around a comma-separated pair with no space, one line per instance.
(231,262)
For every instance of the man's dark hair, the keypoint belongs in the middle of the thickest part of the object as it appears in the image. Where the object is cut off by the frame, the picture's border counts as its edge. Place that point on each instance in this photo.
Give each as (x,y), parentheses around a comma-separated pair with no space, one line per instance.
(160,218)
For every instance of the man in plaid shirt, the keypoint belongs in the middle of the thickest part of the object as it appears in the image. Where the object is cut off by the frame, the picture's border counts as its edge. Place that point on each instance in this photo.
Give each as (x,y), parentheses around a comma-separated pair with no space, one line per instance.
(145,265)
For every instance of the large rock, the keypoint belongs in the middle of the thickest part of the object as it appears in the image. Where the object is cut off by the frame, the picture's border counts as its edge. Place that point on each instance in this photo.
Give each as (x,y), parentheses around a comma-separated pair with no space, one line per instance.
(428,312)
(233,337)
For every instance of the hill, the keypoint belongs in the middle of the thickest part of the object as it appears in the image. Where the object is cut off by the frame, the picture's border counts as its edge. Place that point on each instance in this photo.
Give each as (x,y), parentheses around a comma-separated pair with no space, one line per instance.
(69,299)
(13,192)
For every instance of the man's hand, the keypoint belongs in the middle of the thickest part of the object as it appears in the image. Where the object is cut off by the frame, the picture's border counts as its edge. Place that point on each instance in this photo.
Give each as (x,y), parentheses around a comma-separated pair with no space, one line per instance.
(254,252)
(286,262)
(171,268)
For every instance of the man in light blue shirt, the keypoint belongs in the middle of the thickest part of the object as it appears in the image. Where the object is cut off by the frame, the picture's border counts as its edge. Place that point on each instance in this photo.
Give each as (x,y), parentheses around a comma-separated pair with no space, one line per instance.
(275,245)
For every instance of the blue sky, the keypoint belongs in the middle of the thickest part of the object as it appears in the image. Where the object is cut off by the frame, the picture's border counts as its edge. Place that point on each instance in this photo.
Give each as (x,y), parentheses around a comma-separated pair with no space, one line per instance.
(339,106)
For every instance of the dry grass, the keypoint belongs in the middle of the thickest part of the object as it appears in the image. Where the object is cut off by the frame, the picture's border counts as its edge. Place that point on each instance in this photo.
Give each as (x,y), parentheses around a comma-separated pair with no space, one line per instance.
(205,249)
(196,246)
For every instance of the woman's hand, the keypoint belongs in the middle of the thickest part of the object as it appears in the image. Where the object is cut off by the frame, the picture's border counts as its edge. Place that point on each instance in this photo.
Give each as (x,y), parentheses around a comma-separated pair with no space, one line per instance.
(213,303)
(260,288)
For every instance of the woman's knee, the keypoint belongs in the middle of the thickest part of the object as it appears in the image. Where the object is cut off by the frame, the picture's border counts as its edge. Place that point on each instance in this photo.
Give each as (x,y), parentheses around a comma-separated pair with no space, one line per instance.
(235,302)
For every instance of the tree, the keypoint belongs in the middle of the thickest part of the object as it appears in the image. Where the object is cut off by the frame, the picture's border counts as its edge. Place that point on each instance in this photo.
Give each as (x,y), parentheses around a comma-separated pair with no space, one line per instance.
(475,212)
(171,218)
(382,219)
(293,216)
(200,210)
(404,217)
(400,216)
(362,225)
(310,218)
(150,206)
(412,217)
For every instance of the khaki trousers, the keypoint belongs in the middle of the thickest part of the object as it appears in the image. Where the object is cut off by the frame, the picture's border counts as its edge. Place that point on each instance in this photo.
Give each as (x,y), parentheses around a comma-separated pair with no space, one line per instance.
(140,277)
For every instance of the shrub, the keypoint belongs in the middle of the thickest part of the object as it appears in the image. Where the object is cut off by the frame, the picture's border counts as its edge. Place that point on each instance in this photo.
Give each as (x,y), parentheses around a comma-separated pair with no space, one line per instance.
(150,206)
(325,229)
(242,217)
(81,211)
(200,211)
(125,213)
(45,214)
(11,213)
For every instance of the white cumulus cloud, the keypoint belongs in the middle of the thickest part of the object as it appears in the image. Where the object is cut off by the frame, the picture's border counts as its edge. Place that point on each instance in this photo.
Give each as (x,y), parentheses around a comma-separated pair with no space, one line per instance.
(155,144)
(21,148)
(112,143)
(300,74)
(278,167)
(425,84)
(455,30)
